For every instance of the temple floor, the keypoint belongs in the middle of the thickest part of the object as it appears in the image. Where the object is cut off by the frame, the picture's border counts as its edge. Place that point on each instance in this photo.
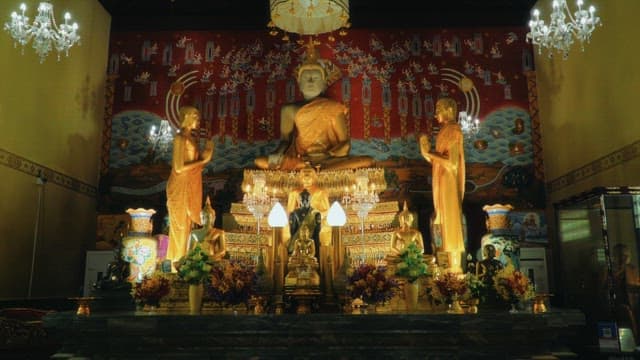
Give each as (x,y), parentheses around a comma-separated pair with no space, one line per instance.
(156,335)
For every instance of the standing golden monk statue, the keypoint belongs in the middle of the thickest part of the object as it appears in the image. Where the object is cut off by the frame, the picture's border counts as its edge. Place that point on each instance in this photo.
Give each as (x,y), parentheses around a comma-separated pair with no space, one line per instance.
(184,188)
(313,132)
(448,179)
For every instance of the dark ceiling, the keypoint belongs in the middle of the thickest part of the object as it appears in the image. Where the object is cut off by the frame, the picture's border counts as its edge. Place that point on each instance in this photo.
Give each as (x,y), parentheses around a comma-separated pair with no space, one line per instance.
(254,14)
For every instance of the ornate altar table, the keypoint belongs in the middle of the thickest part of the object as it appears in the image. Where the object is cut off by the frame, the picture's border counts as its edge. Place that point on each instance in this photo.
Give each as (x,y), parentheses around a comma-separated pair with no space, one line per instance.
(488,335)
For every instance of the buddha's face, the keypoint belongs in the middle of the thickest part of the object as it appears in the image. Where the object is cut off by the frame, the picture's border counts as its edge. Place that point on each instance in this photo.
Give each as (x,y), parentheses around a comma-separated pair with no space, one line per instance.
(444,112)
(304,233)
(311,83)
(191,119)
(307,178)
(405,220)
(304,200)
(207,217)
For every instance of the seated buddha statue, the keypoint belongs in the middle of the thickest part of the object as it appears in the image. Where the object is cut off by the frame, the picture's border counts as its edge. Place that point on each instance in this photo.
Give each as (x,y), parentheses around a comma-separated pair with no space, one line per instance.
(211,239)
(313,132)
(404,235)
(303,264)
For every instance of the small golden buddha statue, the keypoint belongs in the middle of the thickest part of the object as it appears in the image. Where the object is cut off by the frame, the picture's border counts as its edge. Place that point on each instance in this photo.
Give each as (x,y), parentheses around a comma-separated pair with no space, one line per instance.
(404,235)
(303,264)
(212,239)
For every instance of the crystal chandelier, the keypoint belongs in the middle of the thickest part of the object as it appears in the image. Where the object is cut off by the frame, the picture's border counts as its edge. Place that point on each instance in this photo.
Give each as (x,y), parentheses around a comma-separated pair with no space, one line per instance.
(160,137)
(469,125)
(559,34)
(361,199)
(257,199)
(44,31)
(309,17)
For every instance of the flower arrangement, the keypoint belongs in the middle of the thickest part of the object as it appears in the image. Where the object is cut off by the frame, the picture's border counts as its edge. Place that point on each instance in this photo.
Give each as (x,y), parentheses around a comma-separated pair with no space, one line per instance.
(476,287)
(151,289)
(411,264)
(195,267)
(371,283)
(232,282)
(512,285)
(449,286)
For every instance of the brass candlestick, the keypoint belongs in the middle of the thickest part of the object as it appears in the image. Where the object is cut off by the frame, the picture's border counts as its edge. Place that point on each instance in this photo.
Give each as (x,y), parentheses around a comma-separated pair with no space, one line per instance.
(83,305)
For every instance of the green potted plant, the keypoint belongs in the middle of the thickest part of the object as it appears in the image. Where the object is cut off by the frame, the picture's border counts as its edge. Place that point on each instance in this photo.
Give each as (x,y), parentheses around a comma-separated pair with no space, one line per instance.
(412,267)
(195,269)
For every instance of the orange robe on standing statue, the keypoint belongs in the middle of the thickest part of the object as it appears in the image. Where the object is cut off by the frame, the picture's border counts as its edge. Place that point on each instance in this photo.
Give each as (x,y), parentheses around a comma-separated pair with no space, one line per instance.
(184,187)
(448,178)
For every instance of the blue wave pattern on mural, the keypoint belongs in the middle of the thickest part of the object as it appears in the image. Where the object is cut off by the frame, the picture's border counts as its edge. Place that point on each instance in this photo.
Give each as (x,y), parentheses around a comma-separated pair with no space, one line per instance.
(503,143)
(497,129)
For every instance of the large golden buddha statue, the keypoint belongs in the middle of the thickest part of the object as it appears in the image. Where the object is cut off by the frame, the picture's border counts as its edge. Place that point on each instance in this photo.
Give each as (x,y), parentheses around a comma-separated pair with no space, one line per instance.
(313,132)
(448,177)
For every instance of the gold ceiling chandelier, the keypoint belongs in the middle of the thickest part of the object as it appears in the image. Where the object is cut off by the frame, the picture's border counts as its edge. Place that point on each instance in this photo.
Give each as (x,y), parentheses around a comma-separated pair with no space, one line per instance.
(309,17)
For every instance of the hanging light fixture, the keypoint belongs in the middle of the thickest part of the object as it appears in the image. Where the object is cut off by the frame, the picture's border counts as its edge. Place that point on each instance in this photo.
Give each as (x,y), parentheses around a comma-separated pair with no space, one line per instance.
(469,125)
(44,31)
(309,17)
(563,27)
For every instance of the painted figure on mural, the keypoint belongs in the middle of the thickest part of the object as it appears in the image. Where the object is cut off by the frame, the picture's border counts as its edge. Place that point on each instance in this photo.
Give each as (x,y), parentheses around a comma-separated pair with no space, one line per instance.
(212,239)
(184,187)
(448,178)
(313,132)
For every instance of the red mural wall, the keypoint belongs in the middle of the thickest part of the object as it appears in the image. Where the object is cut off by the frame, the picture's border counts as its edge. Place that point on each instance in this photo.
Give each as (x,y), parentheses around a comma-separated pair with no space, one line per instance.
(391,78)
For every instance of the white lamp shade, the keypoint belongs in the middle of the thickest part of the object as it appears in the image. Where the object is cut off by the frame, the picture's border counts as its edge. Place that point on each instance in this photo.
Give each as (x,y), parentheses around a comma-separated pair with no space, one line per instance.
(336,215)
(277,216)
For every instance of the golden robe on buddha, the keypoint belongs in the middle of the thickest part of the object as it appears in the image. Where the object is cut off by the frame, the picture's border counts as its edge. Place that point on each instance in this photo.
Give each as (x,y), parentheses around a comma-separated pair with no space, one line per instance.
(319,128)
(448,186)
(184,201)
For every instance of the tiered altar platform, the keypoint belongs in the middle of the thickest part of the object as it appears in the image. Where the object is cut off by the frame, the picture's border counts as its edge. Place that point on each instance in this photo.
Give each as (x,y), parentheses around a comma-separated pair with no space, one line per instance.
(487,335)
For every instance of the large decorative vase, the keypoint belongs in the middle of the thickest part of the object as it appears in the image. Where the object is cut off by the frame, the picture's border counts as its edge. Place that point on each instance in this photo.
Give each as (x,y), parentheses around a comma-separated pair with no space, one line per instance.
(139,248)
(498,217)
(411,291)
(196,292)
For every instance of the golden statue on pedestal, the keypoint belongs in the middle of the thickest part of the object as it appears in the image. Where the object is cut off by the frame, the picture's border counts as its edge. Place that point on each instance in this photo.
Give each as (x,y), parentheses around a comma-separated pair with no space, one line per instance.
(314,132)
(303,264)
(184,187)
(448,180)
(405,234)
(212,239)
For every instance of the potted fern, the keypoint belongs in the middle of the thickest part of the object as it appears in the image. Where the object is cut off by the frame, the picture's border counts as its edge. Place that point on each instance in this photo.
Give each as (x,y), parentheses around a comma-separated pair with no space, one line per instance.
(411,266)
